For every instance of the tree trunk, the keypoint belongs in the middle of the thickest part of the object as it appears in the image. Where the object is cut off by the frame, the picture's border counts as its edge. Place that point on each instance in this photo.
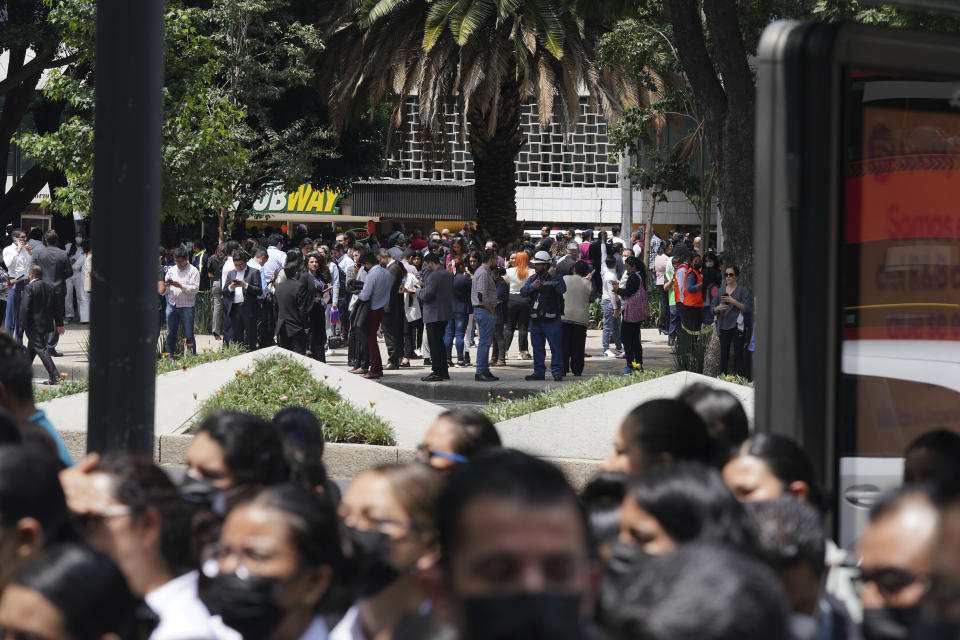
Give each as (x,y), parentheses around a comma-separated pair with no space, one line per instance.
(494,154)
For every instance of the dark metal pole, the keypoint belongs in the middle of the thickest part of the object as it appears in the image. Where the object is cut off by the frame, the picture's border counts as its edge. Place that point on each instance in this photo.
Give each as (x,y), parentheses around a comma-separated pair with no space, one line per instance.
(126,228)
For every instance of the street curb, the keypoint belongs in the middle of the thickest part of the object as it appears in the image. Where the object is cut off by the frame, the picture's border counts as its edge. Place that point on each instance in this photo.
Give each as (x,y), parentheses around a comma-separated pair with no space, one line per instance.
(342,461)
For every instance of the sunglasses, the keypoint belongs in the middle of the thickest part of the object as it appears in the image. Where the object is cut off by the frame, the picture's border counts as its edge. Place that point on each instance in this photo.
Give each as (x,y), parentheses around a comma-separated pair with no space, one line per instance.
(730,275)
(888,579)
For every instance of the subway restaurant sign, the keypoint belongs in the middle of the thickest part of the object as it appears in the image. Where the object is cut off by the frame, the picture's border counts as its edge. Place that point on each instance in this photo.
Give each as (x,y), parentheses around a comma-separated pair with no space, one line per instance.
(305,199)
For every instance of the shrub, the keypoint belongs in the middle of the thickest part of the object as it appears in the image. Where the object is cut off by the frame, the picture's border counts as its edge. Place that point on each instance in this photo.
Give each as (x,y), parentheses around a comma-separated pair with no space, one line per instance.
(690,349)
(275,382)
(502,408)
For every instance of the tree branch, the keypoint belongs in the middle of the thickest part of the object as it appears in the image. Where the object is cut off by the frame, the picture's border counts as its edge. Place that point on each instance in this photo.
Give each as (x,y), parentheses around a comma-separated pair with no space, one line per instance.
(730,52)
(22,193)
(692,51)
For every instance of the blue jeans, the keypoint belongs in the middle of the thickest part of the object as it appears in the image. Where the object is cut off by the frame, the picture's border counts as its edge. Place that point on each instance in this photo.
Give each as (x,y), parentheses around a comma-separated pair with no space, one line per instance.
(550,332)
(11,321)
(610,325)
(484,321)
(177,316)
(456,327)
(674,319)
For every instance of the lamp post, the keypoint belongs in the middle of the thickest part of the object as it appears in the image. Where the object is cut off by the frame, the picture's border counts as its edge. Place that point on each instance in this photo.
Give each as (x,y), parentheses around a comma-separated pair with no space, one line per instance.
(126,231)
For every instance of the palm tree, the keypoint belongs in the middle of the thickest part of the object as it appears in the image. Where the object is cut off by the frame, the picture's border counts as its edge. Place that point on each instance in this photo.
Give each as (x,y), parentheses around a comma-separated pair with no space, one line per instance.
(487,57)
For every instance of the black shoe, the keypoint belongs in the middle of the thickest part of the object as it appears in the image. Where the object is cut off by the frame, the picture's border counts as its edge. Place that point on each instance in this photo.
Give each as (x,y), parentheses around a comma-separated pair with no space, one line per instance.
(427,362)
(485,377)
(533,376)
(404,365)
(558,378)
(53,381)
(434,377)
(55,353)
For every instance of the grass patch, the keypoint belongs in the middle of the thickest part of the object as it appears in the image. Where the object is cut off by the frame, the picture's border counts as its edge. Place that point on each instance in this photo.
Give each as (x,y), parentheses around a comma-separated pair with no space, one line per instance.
(166,365)
(275,382)
(736,380)
(502,408)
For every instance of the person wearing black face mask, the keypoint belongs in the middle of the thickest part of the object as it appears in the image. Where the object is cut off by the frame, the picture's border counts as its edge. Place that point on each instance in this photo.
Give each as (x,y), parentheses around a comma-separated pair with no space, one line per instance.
(515,551)
(389,517)
(896,563)
(276,564)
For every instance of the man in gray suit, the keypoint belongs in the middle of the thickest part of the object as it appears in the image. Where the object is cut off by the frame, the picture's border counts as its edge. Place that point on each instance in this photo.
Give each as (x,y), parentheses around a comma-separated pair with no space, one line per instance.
(56,270)
(437,298)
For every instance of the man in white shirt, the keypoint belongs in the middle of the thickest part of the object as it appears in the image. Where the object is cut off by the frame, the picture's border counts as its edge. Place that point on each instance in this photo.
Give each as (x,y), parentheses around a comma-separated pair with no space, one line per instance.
(615,238)
(134,514)
(610,303)
(182,284)
(17,258)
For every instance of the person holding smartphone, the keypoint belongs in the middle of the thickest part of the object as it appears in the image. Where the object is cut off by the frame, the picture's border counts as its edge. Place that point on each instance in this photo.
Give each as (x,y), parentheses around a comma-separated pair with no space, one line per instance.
(18,259)
(731,303)
(316,269)
(243,287)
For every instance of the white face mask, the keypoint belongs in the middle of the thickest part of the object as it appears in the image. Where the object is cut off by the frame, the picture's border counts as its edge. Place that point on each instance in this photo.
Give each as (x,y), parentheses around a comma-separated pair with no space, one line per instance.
(78,240)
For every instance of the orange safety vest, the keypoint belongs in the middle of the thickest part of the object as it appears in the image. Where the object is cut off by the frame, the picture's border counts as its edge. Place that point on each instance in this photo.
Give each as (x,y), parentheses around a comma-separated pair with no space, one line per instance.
(693,298)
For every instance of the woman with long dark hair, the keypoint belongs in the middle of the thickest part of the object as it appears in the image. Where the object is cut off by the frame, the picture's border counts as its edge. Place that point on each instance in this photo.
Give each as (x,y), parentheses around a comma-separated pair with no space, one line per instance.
(315,267)
(636,309)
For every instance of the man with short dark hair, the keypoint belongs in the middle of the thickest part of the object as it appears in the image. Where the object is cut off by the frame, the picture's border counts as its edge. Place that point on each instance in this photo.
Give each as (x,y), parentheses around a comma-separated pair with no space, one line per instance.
(436,294)
(243,288)
(57,269)
(377,288)
(182,283)
(16,393)
(515,550)
(483,297)
(17,258)
(702,591)
(545,289)
(40,315)
(896,562)
(394,317)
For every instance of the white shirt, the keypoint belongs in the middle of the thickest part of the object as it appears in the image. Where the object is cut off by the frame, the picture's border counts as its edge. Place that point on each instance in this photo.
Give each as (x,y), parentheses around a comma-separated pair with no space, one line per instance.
(227,268)
(186,294)
(349,628)
(18,262)
(182,615)
(238,292)
(617,241)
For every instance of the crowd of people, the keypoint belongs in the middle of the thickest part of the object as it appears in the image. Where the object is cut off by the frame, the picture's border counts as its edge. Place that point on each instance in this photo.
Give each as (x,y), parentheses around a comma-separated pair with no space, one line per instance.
(431,296)
(692,528)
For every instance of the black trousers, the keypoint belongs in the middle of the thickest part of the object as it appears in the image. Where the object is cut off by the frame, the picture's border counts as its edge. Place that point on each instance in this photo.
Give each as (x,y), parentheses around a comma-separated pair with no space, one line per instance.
(664,324)
(266,322)
(518,317)
(392,326)
(574,343)
(630,334)
(691,317)
(318,333)
(435,333)
(357,355)
(243,325)
(53,338)
(38,345)
(296,343)
(412,334)
(737,338)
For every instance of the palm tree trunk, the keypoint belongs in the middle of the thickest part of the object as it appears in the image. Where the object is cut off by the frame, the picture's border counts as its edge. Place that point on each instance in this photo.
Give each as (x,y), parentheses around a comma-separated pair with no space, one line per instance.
(494,154)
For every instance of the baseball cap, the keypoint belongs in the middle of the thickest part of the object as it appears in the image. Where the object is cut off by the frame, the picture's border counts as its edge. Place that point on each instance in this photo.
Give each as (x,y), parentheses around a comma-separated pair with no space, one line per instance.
(540,257)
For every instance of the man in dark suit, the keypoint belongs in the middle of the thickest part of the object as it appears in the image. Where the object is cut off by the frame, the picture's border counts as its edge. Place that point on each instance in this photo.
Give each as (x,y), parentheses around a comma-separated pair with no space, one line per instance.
(437,298)
(56,270)
(394,316)
(295,301)
(243,287)
(40,315)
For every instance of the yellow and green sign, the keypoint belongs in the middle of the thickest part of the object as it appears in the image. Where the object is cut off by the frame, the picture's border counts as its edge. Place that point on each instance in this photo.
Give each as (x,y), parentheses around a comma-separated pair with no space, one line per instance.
(304,199)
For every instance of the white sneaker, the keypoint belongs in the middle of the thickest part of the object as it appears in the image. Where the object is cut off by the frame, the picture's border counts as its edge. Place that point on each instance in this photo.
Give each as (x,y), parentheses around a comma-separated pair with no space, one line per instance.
(609,354)
(619,352)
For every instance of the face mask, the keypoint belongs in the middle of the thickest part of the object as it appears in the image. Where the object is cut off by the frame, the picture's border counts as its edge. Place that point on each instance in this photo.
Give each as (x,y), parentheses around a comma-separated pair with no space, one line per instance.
(937,631)
(374,572)
(626,559)
(202,492)
(537,616)
(247,606)
(803,627)
(78,240)
(889,623)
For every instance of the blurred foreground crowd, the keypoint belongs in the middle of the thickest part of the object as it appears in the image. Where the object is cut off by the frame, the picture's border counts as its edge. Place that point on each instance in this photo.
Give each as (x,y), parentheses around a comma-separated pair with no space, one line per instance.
(692,529)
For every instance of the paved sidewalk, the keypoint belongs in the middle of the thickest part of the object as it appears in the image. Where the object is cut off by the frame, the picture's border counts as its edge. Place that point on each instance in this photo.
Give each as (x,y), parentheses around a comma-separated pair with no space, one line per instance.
(461,388)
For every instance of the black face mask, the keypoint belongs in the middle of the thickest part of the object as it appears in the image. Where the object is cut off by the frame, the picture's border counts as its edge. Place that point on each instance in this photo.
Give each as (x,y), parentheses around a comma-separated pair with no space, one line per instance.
(537,616)
(372,557)
(889,623)
(248,606)
(937,631)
